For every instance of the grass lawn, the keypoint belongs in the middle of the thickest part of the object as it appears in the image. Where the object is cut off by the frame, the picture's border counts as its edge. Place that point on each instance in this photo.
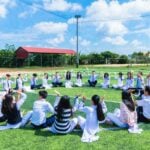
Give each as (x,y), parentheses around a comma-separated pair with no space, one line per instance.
(29,139)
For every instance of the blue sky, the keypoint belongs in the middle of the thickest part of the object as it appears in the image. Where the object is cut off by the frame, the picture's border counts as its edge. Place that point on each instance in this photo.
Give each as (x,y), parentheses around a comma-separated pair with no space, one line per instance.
(122,26)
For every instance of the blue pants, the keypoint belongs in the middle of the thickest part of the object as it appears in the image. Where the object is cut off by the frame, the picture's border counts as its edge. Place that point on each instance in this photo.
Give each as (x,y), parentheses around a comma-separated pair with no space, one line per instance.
(48,123)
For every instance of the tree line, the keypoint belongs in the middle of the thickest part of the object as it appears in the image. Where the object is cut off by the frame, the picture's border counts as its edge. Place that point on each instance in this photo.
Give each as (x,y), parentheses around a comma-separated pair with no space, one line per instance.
(8,58)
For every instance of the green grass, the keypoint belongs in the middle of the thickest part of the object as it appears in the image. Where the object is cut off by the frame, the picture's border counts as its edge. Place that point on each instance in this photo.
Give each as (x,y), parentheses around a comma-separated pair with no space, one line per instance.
(29,139)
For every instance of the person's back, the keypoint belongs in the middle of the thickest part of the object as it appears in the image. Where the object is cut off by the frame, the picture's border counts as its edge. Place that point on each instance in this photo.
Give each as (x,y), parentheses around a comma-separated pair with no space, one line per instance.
(40,108)
(63,125)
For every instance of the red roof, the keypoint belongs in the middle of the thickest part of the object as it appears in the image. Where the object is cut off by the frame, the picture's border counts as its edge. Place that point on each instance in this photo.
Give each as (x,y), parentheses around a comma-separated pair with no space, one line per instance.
(48,50)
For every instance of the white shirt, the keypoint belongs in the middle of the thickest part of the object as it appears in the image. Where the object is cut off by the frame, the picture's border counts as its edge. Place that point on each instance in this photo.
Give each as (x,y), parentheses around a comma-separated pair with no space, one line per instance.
(40,108)
(120,81)
(92,123)
(145,103)
(129,83)
(93,78)
(56,79)
(7,84)
(148,82)
(45,82)
(19,83)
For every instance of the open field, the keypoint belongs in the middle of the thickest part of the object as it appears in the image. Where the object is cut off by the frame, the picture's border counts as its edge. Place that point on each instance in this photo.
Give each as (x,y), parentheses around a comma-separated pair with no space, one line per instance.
(29,139)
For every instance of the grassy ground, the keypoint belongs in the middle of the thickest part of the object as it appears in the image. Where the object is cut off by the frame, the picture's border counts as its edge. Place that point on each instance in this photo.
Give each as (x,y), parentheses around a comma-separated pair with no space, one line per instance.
(27,138)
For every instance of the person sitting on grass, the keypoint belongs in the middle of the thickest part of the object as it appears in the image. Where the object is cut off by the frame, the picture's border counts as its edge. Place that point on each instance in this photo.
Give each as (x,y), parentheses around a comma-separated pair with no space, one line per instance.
(33,83)
(143,109)
(40,109)
(93,79)
(126,116)
(45,81)
(7,83)
(68,83)
(94,115)
(106,82)
(64,123)
(129,81)
(19,83)
(120,79)
(79,80)
(11,109)
(57,80)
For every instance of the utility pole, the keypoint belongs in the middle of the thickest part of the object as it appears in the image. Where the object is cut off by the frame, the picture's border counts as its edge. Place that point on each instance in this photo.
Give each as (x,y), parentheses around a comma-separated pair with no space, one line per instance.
(77,39)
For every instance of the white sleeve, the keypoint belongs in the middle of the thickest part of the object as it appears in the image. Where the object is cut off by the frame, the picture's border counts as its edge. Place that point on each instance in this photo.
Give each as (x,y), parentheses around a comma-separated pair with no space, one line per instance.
(50,108)
(21,100)
(56,101)
(104,107)
(140,102)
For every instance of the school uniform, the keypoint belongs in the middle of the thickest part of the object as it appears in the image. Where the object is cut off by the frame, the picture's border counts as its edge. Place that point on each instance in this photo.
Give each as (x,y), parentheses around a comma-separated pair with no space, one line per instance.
(14,118)
(92,80)
(79,81)
(34,85)
(65,124)
(139,83)
(106,83)
(144,113)
(19,84)
(68,83)
(90,125)
(45,83)
(129,84)
(40,110)
(119,85)
(7,84)
(124,118)
(57,81)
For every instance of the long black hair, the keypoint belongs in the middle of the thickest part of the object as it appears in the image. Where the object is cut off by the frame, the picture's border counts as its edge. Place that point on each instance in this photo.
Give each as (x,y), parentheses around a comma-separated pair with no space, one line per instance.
(128,101)
(68,75)
(96,101)
(147,89)
(7,104)
(64,103)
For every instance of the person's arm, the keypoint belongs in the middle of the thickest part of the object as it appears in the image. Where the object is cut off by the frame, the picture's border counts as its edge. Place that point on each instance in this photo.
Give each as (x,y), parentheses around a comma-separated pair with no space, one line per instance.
(104,106)
(50,108)
(21,100)
(139,102)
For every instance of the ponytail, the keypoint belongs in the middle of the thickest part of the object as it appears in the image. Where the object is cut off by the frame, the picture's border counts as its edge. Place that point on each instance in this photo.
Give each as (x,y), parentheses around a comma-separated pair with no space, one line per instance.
(96,101)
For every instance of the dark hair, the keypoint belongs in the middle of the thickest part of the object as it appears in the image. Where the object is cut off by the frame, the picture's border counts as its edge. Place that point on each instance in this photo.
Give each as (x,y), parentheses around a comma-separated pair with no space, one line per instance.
(7,104)
(140,72)
(79,75)
(43,94)
(106,75)
(131,75)
(96,101)
(120,75)
(147,89)
(19,75)
(34,75)
(128,101)
(68,75)
(46,74)
(64,103)
(8,75)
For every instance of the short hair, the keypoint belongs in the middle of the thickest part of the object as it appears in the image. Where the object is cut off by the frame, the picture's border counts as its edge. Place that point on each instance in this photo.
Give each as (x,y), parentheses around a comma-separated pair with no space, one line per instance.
(34,75)
(8,75)
(43,94)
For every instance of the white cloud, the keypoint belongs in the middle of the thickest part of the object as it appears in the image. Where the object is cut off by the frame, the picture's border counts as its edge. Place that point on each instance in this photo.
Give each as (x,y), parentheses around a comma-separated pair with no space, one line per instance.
(61,5)
(4,6)
(56,41)
(82,42)
(32,10)
(51,27)
(115,40)
(113,15)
